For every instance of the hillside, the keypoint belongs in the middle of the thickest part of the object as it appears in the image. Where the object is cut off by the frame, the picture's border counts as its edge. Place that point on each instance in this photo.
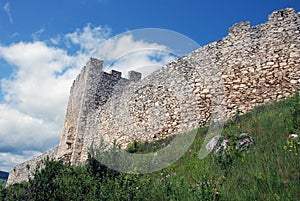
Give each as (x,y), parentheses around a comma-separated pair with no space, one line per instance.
(265,169)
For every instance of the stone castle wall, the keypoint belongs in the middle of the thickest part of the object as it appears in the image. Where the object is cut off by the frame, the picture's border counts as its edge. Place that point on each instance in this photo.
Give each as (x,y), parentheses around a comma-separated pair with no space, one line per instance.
(90,92)
(80,103)
(250,66)
(26,170)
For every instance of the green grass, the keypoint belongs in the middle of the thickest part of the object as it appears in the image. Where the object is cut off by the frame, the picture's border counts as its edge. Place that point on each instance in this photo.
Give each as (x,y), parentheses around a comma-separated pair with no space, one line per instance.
(2,183)
(270,170)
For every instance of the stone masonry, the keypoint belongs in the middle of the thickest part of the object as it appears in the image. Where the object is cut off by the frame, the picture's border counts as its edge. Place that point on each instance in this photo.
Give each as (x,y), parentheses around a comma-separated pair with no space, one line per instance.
(26,170)
(90,92)
(248,67)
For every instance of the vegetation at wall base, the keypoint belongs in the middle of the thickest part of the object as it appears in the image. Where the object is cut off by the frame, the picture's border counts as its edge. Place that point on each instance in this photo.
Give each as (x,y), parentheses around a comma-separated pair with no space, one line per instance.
(2,183)
(268,170)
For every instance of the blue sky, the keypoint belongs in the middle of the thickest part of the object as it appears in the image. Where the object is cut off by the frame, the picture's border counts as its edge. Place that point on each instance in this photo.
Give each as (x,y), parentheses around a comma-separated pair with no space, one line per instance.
(203,21)
(44,44)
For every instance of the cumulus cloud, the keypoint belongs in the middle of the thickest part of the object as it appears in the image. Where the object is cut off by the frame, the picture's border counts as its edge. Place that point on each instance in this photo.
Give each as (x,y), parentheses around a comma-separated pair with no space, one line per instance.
(24,132)
(36,94)
(123,45)
(89,38)
(143,61)
(7,158)
(37,88)
(124,53)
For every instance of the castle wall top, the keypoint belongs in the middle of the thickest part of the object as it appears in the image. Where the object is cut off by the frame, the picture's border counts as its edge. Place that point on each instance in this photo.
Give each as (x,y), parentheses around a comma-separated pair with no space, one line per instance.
(116,74)
(280,15)
(134,76)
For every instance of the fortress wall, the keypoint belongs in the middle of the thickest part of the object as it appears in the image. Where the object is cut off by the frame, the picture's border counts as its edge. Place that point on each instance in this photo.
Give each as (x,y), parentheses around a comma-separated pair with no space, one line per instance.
(24,171)
(72,115)
(261,65)
(111,83)
(88,104)
(81,102)
(250,66)
(90,92)
(104,91)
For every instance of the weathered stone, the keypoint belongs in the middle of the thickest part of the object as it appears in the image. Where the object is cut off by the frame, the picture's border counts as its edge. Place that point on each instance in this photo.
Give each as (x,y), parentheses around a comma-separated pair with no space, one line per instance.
(212,143)
(205,91)
(295,54)
(245,142)
(293,81)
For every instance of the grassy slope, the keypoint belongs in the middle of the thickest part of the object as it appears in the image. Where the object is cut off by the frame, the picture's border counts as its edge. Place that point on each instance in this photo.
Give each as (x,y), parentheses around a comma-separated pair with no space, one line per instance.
(270,171)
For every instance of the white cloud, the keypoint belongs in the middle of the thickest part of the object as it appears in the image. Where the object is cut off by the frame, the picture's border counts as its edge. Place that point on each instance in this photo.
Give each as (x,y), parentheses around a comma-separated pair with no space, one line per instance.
(38,88)
(6,8)
(20,131)
(123,53)
(8,160)
(55,41)
(141,61)
(117,47)
(89,38)
(36,95)
(36,35)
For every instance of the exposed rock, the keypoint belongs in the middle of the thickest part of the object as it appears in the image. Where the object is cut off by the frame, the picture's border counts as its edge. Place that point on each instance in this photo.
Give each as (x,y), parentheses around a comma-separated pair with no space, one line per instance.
(293,136)
(224,145)
(245,142)
(211,145)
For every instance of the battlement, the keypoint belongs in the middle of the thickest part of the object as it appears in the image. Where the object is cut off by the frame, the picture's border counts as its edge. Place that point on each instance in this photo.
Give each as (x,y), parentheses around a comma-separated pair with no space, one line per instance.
(116,74)
(280,15)
(134,76)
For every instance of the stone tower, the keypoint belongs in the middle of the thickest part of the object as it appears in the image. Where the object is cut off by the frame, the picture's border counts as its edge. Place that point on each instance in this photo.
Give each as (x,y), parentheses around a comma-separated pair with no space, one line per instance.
(91,90)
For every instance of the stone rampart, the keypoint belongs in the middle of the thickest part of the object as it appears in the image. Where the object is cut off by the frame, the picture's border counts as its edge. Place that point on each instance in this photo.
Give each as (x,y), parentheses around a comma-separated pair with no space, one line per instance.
(26,170)
(250,66)
(89,93)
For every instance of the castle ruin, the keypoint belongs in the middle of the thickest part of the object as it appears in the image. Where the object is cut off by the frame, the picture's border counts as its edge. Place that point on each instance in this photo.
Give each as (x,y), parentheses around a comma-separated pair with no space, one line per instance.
(254,65)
